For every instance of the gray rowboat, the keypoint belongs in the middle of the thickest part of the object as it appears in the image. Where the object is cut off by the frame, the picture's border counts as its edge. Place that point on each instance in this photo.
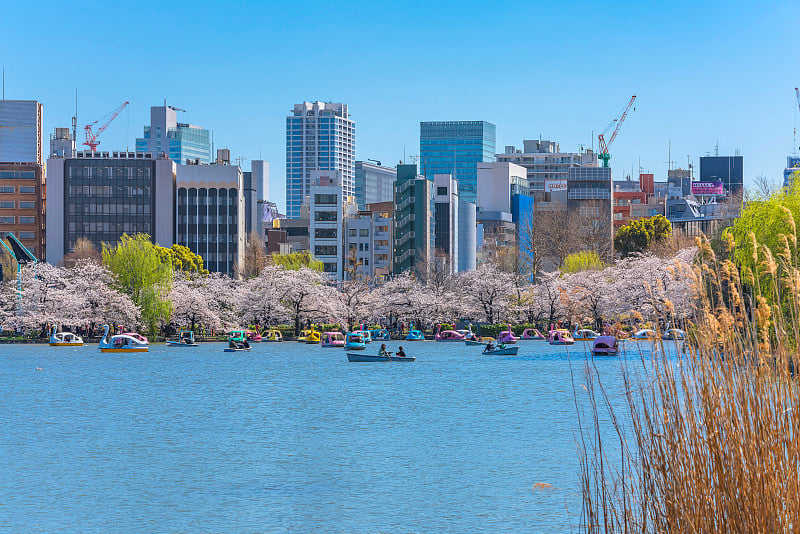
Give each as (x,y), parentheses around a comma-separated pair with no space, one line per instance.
(358,357)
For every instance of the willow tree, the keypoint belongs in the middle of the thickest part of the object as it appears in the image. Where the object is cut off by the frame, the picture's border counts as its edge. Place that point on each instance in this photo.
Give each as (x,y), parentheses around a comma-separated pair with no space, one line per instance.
(142,274)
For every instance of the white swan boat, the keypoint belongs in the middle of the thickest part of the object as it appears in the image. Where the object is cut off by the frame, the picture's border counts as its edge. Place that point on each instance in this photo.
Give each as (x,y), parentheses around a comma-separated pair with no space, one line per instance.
(64,339)
(123,342)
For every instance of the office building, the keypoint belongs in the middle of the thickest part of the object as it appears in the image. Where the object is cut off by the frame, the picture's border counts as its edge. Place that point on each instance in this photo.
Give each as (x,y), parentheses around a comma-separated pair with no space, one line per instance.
(373,183)
(22,177)
(256,193)
(294,233)
(21,131)
(179,141)
(328,210)
(211,213)
(104,195)
(547,167)
(368,238)
(414,236)
(467,236)
(590,198)
(445,215)
(455,148)
(22,204)
(725,169)
(498,182)
(319,136)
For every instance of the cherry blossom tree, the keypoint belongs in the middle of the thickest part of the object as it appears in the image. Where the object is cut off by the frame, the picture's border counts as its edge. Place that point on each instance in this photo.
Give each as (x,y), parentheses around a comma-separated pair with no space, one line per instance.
(487,293)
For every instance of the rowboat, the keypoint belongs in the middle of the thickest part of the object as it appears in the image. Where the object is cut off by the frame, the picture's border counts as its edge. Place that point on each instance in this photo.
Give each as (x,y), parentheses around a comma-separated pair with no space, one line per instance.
(473,343)
(504,351)
(360,357)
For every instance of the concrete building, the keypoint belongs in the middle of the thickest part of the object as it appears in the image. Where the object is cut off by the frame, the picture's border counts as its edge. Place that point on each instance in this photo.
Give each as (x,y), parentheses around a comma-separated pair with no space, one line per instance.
(590,198)
(445,215)
(547,167)
(210,214)
(292,232)
(320,136)
(181,142)
(791,170)
(499,230)
(328,210)
(373,183)
(456,147)
(21,131)
(256,193)
(103,195)
(62,145)
(467,236)
(498,182)
(368,238)
(414,236)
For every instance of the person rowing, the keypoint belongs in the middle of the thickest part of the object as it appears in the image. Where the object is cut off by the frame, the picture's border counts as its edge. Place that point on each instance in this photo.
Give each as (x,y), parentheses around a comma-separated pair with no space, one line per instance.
(401,353)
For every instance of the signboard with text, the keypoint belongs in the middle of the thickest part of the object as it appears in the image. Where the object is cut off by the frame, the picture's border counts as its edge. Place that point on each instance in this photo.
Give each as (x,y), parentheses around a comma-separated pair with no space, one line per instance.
(707,188)
(551,186)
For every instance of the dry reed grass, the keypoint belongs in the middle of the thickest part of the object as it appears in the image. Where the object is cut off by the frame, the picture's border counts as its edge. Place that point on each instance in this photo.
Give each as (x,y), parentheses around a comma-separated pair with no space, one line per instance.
(707,442)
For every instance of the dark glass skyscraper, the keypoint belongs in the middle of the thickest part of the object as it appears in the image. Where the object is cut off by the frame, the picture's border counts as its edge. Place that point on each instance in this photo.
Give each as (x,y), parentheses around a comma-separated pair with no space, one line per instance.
(456,147)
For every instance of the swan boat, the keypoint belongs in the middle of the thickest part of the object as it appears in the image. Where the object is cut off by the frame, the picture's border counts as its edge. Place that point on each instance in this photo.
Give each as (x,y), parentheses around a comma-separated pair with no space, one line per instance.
(64,339)
(128,342)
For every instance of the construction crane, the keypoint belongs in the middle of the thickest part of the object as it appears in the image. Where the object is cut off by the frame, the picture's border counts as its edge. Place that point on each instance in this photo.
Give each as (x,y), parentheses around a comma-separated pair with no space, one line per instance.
(618,120)
(91,137)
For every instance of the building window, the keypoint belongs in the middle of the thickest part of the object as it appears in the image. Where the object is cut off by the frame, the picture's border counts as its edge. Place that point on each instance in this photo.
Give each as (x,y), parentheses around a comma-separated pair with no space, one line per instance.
(366,261)
(441,191)
(27,235)
(27,205)
(7,204)
(326,250)
(325,199)
(325,216)
(25,189)
(325,233)
(17,175)
(8,189)
(363,232)
(6,220)
(352,232)
(330,267)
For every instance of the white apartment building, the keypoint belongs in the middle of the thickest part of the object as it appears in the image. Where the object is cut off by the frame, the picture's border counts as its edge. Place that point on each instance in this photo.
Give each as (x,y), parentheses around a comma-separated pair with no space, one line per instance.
(320,136)
(328,208)
(368,242)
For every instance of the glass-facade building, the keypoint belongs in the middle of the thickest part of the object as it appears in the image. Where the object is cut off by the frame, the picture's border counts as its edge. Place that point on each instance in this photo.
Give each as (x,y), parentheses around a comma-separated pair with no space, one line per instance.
(208,225)
(374,184)
(456,147)
(319,136)
(106,198)
(181,142)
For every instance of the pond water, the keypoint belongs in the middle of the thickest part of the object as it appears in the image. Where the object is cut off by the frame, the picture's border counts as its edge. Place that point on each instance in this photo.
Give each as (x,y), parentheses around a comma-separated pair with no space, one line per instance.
(292,438)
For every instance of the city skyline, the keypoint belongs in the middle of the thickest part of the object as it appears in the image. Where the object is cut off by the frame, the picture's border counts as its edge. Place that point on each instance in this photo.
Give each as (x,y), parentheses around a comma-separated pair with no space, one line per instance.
(559,72)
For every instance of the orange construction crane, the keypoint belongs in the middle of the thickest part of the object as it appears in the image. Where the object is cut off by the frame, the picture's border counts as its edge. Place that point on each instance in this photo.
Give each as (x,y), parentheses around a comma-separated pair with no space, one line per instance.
(604,155)
(91,137)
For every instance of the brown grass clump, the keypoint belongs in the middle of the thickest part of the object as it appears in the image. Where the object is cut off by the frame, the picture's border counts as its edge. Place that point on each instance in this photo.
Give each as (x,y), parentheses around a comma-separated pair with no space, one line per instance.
(710,441)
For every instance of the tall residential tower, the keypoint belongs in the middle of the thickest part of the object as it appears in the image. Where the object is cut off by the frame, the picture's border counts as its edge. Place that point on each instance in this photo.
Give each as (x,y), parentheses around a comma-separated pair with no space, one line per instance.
(319,136)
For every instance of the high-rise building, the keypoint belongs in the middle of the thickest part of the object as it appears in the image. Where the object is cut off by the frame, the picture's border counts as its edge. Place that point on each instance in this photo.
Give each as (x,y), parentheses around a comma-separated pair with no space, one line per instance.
(328,210)
(446,226)
(21,131)
(62,145)
(373,183)
(791,170)
(180,142)
(414,235)
(103,195)
(319,136)
(256,194)
(725,169)
(456,147)
(22,177)
(211,214)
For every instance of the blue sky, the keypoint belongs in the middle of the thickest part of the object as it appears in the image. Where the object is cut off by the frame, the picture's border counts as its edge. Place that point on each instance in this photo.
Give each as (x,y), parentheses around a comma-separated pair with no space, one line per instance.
(704,72)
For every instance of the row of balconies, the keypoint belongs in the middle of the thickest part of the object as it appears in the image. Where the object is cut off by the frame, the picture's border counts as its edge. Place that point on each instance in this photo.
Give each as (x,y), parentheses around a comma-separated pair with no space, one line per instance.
(589,194)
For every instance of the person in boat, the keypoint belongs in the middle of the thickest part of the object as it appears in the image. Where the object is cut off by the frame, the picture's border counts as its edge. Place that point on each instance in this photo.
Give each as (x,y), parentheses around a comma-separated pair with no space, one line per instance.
(382,351)
(489,346)
(400,352)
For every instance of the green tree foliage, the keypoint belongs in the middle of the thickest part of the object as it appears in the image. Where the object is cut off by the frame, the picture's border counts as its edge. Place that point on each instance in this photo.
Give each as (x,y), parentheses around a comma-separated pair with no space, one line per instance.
(142,274)
(581,261)
(297,260)
(639,234)
(181,259)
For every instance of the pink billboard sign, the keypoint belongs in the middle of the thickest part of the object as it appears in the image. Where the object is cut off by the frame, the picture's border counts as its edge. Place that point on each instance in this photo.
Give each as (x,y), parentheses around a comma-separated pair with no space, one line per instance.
(707,188)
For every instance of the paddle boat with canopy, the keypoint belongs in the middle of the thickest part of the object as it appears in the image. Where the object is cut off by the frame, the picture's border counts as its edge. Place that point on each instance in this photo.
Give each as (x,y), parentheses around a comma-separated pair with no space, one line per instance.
(645,335)
(272,336)
(560,336)
(674,334)
(64,339)
(380,334)
(185,339)
(447,335)
(584,334)
(253,336)
(332,340)
(605,346)
(531,333)
(128,342)
(313,337)
(354,341)
(507,336)
(365,334)
(414,335)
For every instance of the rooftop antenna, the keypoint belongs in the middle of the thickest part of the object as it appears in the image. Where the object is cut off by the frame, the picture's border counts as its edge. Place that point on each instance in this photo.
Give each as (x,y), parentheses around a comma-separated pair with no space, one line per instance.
(4,83)
(75,121)
(716,148)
